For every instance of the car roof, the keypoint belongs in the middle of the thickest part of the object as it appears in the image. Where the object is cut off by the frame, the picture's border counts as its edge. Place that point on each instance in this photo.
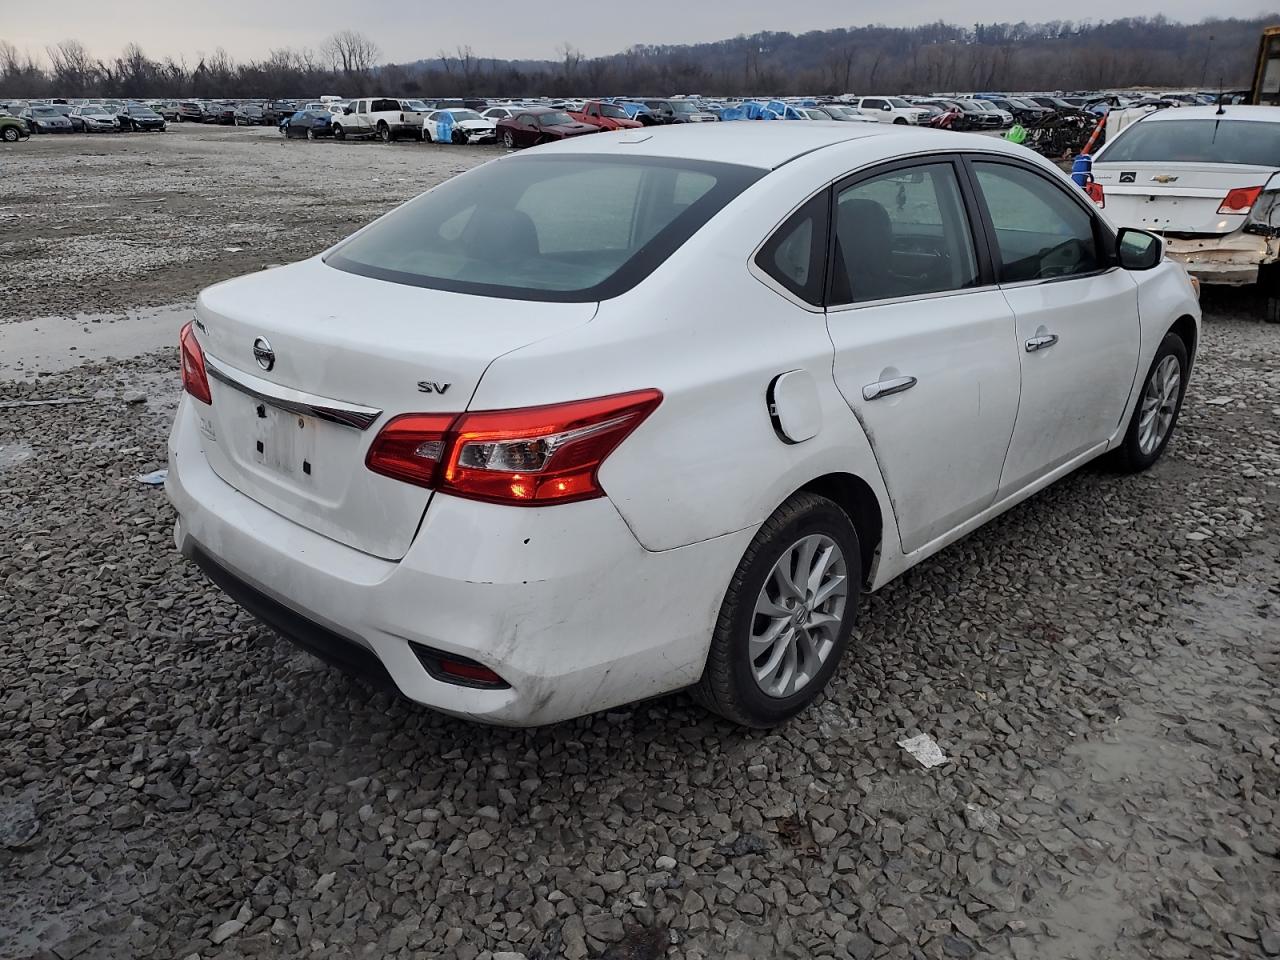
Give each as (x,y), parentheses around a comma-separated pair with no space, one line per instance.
(1229,112)
(768,145)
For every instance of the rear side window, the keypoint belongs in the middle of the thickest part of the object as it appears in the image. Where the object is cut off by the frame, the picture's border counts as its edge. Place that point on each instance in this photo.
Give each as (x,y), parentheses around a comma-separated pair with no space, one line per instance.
(564,228)
(1041,231)
(902,233)
(796,255)
(1207,140)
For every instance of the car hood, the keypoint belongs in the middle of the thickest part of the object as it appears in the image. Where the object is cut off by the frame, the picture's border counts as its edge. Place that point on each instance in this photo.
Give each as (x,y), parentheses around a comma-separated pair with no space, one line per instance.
(570,128)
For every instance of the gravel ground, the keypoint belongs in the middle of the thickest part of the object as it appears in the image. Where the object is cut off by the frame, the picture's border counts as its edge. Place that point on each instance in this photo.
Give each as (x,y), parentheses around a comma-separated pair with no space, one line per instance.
(1100,666)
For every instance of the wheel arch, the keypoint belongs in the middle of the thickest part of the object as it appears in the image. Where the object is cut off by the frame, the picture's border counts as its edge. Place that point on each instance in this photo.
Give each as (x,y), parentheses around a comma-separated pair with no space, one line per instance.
(856,498)
(1185,328)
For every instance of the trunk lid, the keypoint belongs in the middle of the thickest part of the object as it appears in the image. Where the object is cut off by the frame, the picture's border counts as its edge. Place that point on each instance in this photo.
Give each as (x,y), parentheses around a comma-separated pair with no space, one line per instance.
(348,350)
(1178,198)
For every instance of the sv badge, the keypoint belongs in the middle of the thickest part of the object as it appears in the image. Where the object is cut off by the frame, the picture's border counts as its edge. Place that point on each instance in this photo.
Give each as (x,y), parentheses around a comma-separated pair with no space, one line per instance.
(431,386)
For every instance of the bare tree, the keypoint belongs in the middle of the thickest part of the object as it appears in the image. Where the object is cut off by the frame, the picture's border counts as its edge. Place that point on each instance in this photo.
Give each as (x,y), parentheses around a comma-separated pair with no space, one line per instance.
(74,71)
(351,53)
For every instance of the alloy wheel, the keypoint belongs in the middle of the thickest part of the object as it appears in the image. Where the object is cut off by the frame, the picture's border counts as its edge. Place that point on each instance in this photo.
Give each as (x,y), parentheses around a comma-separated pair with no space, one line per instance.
(797,615)
(1159,404)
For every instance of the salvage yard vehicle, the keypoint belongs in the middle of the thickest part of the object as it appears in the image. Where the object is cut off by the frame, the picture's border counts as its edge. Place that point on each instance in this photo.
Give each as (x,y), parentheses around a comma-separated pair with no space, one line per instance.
(679,111)
(42,119)
(536,125)
(308,124)
(381,117)
(606,116)
(890,110)
(1207,180)
(139,118)
(93,118)
(191,110)
(458,125)
(538,485)
(13,129)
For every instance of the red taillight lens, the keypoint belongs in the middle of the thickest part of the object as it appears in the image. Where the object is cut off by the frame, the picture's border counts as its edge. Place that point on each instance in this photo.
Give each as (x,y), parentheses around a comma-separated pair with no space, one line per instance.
(531,456)
(472,672)
(541,454)
(194,379)
(1240,200)
(1095,192)
(411,448)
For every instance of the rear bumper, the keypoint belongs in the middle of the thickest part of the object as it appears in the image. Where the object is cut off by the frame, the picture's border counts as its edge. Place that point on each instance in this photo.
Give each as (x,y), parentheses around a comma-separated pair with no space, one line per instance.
(562,602)
(1231,260)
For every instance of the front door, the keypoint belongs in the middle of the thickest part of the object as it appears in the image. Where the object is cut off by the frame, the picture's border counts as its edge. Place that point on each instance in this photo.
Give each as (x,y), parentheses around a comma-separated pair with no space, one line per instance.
(924,342)
(1077,325)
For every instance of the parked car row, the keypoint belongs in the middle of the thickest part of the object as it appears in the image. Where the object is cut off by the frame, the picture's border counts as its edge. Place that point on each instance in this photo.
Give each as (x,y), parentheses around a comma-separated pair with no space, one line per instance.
(95,117)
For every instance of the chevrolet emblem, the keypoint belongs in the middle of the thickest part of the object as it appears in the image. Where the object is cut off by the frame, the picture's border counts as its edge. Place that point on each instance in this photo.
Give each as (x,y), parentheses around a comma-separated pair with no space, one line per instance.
(1163,178)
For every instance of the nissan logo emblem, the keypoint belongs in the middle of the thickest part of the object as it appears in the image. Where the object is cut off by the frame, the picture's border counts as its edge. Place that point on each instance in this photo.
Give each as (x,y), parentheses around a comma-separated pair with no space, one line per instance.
(263,353)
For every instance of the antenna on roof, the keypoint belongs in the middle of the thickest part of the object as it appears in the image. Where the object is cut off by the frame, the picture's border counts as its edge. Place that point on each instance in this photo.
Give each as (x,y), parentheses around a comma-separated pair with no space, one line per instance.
(1221,96)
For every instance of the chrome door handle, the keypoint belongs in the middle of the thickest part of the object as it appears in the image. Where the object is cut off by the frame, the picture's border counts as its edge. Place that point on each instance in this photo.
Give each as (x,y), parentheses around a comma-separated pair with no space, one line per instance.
(885,388)
(1041,343)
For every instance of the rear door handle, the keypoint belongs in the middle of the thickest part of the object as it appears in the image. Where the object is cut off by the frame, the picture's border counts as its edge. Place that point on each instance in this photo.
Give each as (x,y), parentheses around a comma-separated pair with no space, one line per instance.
(886,388)
(1042,342)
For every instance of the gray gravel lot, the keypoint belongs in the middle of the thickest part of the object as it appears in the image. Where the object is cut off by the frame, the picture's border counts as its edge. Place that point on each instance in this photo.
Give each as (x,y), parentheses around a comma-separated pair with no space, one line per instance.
(1100,665)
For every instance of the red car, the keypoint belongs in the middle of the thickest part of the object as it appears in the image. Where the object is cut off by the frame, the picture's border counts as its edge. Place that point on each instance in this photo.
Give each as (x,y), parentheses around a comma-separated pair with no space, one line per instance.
(536,125)
(606,116)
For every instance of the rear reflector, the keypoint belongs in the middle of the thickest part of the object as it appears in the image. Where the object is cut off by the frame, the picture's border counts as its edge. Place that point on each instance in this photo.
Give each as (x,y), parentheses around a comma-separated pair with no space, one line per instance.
(1240,200)
(1095,192)
(529,456)
(460,671)
(194,378)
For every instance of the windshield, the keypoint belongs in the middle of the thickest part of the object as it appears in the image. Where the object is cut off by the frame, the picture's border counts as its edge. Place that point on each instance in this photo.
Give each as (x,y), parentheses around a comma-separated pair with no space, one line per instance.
(554,119)
(558,227)
(679,106)
(416,105)
(899,103)
(143,112)
(615,113)
(464,115)
(44,112)
(987,105)
(1207,140)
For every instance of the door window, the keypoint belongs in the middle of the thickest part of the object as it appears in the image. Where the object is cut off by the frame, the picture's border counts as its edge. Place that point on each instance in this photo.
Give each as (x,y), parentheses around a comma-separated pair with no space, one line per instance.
(1041,231)
(364,107)
(795,256)
(526,119)
(871,103)
(902,233)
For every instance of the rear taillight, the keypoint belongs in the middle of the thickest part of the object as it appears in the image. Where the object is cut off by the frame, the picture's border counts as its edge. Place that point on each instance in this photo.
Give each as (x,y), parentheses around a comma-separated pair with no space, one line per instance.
(531,456)
(1095,192)
(1240,200)
(194,378)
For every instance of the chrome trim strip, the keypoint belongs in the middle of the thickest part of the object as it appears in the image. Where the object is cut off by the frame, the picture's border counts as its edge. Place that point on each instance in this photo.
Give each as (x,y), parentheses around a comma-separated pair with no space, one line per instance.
(937,295)
(295,401)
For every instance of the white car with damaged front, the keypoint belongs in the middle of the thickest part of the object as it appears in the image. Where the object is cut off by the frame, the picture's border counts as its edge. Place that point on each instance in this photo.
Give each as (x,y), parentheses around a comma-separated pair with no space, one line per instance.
(1206,179)
(482,454)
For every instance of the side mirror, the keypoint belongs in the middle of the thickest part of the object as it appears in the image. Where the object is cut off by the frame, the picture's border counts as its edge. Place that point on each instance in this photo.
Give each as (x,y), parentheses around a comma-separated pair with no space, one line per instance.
(1137,249)
(347,111)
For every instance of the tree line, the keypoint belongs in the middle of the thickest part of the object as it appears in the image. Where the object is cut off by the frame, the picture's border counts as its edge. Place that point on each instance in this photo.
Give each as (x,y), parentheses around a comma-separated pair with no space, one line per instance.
(935,57)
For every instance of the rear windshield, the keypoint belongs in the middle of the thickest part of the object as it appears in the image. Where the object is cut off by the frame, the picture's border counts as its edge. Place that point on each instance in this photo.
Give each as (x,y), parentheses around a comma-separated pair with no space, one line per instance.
(1198,141)
(564,228)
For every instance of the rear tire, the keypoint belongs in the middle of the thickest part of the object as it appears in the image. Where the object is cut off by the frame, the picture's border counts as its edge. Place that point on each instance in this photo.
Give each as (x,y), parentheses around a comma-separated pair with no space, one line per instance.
(384,133)
(311,134)
(787,615)
(1159,404)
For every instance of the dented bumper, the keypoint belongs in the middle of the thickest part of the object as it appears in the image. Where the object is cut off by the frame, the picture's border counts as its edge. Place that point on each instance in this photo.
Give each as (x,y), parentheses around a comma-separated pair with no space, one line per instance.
(1229,260)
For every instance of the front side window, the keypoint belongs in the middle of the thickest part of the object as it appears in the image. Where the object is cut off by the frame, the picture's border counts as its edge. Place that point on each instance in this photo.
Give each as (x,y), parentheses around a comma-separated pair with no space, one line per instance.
(902,233)
(563,228)
(1041,231)
(796,255)
(873,104)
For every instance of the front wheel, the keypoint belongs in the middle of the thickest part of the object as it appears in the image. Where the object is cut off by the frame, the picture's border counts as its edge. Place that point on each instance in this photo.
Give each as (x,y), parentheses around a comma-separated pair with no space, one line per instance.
(1156,415)
(900,120)
(311,134)
(10,135)
(787,616)
(339,133)
(508,140)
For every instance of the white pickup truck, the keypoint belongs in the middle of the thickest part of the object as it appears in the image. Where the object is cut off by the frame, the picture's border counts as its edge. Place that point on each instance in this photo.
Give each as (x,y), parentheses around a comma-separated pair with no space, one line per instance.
(382,117)
(890,109)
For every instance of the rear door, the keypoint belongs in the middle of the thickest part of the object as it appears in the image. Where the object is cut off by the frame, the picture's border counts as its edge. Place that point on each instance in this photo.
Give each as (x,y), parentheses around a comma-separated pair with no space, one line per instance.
(1077,327)
(924,342)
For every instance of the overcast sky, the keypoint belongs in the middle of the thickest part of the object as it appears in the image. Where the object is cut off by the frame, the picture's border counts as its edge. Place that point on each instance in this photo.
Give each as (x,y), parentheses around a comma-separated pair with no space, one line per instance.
(412,29)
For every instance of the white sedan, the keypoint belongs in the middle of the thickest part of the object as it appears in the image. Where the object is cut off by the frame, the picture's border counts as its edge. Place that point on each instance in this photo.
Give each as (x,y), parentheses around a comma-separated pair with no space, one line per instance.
(618,416)
(458,126)
(93,118)
(1207,181)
